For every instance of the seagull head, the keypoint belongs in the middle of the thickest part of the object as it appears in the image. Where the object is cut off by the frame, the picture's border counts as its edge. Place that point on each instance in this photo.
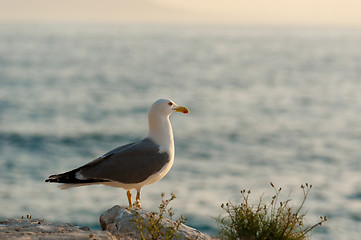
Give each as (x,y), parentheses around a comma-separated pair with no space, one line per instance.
(166,107)
(160,129)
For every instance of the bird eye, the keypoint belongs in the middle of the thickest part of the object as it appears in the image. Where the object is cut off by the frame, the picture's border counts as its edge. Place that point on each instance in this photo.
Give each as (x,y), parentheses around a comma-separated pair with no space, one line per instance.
(170,104)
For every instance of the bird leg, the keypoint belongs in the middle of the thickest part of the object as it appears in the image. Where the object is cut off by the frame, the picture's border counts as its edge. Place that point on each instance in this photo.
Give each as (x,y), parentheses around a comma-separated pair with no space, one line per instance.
(138,199)
(129,195)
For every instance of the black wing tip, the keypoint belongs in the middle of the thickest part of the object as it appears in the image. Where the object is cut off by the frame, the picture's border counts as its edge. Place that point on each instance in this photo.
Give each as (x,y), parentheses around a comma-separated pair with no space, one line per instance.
(54,178)
(71,179)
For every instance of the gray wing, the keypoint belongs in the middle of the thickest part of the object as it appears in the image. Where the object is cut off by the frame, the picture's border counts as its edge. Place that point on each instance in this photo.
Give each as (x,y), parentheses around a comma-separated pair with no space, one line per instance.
(132,163)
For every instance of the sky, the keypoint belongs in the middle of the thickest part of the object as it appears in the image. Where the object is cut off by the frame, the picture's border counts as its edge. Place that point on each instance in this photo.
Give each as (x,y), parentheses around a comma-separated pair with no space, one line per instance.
(268,12)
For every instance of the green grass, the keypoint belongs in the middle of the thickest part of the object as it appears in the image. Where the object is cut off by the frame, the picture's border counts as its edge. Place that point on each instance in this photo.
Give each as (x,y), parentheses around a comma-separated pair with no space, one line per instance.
(276,220)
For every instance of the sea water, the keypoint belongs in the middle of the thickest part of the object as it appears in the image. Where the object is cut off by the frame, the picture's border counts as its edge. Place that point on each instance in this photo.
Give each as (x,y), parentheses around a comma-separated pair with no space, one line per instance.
(278,104)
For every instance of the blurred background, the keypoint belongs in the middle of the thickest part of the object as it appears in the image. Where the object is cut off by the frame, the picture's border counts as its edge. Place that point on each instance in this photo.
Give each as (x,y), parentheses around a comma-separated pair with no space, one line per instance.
(273,90)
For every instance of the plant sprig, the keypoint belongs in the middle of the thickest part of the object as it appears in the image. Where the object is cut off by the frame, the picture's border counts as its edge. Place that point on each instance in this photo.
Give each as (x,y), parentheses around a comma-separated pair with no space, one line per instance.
(276,220)
(152,226)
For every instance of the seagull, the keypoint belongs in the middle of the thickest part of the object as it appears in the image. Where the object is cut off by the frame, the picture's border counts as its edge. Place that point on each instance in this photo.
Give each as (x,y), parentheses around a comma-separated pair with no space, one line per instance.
(133,165)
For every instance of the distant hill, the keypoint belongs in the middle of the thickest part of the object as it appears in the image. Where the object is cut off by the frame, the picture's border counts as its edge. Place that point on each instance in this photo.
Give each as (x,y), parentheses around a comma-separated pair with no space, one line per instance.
(90,10)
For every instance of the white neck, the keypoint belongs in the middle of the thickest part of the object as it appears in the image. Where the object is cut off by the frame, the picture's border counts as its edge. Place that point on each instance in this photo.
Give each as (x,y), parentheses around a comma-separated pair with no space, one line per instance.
(160,130)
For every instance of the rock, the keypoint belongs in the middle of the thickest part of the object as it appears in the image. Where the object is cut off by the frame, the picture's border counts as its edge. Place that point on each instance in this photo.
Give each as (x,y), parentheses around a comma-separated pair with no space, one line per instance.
(35,229)
(118,221)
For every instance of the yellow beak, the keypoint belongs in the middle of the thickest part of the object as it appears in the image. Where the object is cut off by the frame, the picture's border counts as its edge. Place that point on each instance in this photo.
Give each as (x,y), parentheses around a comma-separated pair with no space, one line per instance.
(181,109)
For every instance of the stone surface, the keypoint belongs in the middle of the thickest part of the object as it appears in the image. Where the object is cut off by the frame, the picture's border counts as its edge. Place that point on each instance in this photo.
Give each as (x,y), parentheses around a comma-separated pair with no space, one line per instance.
(118,221)
(35,229)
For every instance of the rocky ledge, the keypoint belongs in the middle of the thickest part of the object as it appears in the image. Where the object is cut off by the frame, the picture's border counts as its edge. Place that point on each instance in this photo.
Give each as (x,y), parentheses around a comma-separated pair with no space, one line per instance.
(36,229)
(115,222)
(119,221)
